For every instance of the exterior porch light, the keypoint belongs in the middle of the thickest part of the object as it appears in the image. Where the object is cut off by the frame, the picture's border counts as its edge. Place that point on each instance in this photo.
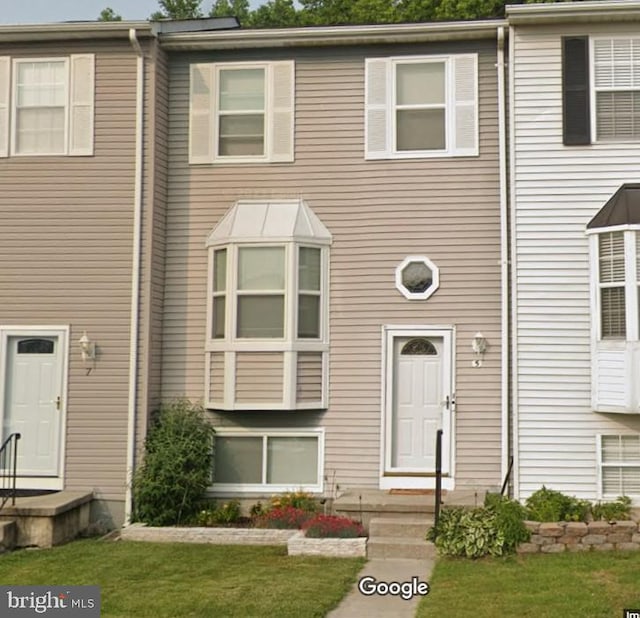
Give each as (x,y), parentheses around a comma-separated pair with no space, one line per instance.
(479,347)
(87,348)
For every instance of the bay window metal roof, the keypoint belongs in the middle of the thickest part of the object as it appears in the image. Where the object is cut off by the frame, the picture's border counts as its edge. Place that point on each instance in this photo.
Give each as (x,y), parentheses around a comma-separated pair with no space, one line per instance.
(262,221)
(623,208)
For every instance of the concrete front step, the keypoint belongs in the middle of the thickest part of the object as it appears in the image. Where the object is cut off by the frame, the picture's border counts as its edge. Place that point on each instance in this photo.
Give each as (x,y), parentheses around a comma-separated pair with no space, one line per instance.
(8,535)
(394,547)
(400,527)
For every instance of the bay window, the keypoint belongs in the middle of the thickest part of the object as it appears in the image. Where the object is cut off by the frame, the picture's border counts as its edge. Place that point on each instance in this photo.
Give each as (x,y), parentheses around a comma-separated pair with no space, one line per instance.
(267,342)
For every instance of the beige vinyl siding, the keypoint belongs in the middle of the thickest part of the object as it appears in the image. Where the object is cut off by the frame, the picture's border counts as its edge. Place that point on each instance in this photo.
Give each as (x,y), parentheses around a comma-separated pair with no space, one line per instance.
(65,259)
(259,377)
(309,377)
(216,377)
(558,189)
(378,213)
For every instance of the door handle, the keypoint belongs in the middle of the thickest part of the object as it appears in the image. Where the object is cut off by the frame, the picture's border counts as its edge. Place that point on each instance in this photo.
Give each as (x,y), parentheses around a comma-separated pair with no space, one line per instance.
(58,402)
(450,402)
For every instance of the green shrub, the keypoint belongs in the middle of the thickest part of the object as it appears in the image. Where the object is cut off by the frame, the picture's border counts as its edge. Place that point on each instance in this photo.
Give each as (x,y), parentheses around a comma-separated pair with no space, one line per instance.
(510,516)
(295,499)
(471,533)
(176,470)
(548,505)
(618,510)
(257,510)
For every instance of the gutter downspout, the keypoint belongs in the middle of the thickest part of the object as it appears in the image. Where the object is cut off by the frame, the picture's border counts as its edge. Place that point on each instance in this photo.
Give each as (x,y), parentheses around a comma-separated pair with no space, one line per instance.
(514,262)
(135,276)
(504,256)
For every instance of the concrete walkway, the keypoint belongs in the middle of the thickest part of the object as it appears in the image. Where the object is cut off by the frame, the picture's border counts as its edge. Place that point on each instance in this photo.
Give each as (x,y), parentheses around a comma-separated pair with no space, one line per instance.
(358,605)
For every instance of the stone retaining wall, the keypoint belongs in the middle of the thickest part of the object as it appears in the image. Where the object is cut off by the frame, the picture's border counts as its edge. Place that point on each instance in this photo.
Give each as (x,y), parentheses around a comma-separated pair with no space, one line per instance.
(217,536)
(552,538)
(300,545)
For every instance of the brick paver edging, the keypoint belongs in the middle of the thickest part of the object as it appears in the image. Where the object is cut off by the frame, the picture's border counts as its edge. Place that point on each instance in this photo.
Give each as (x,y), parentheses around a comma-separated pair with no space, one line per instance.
(300,545)
(552,538)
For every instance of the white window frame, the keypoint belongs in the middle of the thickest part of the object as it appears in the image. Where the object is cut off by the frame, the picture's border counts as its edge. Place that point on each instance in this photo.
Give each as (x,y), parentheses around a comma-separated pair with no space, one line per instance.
(448,106)
(290,344)
(453,108)
(14,105)
(625,351)
(279,113)
(617,464)
(435,282)
(265,434)
(217,113)
(594,90)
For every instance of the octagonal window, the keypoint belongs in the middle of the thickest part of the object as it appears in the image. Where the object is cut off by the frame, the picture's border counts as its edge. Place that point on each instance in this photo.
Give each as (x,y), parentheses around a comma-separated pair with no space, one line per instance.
(417,277)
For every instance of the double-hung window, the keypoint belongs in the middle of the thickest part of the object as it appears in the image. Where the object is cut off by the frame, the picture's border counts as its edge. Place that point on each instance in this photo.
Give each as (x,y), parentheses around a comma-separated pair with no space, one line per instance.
(241,112)
(600,89)
(267,342)
(424,106)
(614,236)
(46,105)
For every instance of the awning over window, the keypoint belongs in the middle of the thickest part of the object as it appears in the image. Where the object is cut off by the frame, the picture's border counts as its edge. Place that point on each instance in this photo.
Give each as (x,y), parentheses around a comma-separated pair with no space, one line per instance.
(623,208)
(269,221)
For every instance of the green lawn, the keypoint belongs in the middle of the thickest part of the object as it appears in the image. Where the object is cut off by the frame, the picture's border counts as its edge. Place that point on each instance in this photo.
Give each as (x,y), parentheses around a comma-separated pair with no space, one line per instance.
(170,580)
(594,584)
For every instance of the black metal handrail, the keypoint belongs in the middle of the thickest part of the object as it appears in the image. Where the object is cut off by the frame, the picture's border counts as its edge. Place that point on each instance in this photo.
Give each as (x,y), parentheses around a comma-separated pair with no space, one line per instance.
(505,484)
(9,469)
(436,514)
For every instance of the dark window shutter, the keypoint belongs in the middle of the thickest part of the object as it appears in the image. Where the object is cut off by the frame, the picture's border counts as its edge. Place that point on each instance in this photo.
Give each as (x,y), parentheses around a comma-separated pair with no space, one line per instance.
(576,120)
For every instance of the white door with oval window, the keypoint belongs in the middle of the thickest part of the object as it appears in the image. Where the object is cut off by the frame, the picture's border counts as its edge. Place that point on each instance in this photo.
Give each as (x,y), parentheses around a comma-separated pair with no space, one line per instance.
(419,404)
(33,383)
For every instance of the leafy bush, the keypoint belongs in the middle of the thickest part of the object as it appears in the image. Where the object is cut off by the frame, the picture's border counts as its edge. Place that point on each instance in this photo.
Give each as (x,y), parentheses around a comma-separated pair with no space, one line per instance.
(550,505)
(257,509)
(612,511)
(471,533)
(510,516)
(333,526)
(288,517)
(296,499)
(176,470)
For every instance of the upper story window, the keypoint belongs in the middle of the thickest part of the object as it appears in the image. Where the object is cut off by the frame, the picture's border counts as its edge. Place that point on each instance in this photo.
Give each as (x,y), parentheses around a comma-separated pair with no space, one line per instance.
(46,105)
(267,341)
(601,89)
(422,106)
(241,112)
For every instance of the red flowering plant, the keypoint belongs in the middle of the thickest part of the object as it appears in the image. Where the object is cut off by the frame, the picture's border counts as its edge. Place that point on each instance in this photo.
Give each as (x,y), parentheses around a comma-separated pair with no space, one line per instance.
(287,517)
(332,526)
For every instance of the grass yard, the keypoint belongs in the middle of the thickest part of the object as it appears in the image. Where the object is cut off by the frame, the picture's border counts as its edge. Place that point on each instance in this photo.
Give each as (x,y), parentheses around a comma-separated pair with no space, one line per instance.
(169,580)
(594,584)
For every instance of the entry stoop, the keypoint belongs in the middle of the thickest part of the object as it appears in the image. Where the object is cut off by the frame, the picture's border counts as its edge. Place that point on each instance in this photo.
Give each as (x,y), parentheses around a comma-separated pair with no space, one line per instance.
(399,536)
(52,519)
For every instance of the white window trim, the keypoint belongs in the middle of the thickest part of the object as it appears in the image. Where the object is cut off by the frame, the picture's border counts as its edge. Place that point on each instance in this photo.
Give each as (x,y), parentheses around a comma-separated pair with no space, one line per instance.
(601,465)
(268,112)
(593,90)
(435,283)
(314,432)
(14,105)
(450,107)
(289,345)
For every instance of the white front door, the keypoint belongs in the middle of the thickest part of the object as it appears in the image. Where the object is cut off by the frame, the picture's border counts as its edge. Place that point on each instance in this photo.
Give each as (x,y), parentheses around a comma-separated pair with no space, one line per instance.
(419,402)
(33,384)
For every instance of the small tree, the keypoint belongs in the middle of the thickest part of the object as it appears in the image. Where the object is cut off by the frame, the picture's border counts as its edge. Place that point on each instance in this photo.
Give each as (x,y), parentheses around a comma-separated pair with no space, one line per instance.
(178,9)
(177,465)
(109,14)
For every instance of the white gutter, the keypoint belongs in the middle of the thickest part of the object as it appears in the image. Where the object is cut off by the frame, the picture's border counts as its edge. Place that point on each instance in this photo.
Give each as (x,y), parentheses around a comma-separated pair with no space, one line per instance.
(562,12)
(135,277)
(504,255)
(330,35)
(514,270)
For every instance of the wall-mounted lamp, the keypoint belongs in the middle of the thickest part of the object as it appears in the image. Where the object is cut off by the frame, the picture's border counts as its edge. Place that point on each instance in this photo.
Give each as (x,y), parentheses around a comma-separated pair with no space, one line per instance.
(87,348)
(479,347)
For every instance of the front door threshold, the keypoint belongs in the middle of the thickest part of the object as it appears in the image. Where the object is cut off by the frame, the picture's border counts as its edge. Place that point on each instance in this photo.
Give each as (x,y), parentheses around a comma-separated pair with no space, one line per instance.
(406,481)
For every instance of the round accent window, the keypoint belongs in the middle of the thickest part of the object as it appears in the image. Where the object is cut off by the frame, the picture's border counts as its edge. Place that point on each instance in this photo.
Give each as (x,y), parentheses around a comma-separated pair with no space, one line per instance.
(417,277)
